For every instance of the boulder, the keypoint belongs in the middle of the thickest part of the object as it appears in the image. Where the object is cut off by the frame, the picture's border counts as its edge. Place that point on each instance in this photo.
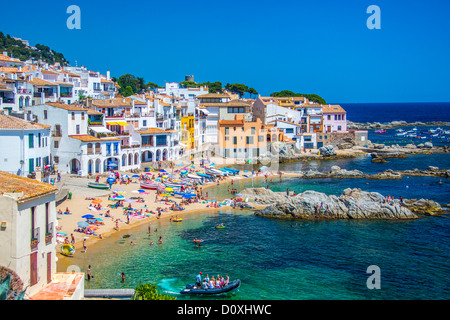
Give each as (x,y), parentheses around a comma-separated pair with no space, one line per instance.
(327,151)
(352,204)
(428,145)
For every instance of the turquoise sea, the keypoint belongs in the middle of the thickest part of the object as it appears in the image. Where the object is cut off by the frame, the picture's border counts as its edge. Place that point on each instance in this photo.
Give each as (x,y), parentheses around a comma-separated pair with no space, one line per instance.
(292,260)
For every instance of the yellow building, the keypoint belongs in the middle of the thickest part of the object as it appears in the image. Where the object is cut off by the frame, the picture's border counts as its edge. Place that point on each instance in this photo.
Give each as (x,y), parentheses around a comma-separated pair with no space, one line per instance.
(187,131)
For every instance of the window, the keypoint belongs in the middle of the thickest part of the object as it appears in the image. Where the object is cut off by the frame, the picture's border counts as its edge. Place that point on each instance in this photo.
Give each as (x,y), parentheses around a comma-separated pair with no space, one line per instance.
(260,138)
(289,130)
(82,116)
(45,114)
(39,139)
(30,140)
(78,129)
(227,130)
(339,128)
(144,123)
(253,130)
(234,140)
(56,144)
(73,115)
(56,159)
(249,140)
(329,117)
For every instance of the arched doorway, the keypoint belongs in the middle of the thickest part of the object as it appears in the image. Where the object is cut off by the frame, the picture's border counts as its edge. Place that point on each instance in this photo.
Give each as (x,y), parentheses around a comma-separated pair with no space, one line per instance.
(158,155)
(136,158)
(164,155)
(75,166)
(124,160)
(97,166)
(111,163)
(90,166)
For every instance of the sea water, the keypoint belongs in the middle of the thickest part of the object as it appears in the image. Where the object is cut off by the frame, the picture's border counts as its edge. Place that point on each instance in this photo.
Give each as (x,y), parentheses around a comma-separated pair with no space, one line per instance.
(278,259)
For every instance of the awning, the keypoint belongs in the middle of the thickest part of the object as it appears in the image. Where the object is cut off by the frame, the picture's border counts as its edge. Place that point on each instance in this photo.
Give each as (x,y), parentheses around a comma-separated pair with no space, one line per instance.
(117,123)
(100,130)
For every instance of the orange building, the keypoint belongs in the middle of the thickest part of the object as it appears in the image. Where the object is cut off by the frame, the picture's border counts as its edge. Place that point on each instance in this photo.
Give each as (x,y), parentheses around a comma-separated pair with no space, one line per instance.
(239,138)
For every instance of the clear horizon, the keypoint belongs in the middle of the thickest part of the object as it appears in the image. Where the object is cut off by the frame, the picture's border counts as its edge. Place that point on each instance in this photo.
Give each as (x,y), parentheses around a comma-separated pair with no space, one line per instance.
(323,48)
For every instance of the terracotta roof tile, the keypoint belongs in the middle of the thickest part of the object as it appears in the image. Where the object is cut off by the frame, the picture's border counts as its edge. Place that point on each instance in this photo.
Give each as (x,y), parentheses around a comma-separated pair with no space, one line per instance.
(10,122)
(11,183)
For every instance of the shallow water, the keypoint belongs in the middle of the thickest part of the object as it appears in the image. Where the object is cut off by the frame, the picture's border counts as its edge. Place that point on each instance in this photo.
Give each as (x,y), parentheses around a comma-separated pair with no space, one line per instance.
(290,259)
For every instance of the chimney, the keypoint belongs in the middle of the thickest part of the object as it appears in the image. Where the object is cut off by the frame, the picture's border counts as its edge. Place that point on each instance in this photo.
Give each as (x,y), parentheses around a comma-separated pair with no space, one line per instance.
(108,75)
(5,53)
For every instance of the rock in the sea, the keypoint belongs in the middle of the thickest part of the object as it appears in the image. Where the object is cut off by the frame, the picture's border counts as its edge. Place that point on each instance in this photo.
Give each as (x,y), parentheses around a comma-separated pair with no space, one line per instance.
(327,151)
(428,145)
(352,204)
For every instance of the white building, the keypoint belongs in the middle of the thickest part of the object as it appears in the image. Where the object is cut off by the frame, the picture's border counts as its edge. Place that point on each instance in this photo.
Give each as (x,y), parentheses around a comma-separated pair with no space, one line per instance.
(27,234)
(173,89)
(23,145)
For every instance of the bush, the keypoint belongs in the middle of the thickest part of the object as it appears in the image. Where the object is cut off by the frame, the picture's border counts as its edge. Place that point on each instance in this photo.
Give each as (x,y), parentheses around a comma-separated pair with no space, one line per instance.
(149,292)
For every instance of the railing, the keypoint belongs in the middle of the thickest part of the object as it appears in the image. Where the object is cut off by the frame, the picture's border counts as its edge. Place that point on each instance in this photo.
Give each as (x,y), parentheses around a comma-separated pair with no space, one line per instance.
(56,134)
(49,233)
(34,239)
(24,91)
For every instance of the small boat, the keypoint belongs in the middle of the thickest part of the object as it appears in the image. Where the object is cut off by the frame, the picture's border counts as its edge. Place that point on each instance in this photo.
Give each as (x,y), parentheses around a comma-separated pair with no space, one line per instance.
(220,227)
(67,250)
(232,170)
(96,185)
(231,286)
(380,131)
(177,220)
(149,185)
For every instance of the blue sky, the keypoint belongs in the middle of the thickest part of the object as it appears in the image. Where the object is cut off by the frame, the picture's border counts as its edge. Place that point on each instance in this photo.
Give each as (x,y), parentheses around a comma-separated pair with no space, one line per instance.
(321,46)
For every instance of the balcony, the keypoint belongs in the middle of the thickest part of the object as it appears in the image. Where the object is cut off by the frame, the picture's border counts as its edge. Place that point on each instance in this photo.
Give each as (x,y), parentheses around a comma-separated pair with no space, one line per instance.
(49,233)
(34,239)
(56,134)
(24,91)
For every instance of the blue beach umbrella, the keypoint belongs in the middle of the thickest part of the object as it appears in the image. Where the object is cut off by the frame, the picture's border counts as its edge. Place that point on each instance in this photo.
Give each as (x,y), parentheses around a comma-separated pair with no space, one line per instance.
(119,198)
(135,176)
(83,224)
(88,216)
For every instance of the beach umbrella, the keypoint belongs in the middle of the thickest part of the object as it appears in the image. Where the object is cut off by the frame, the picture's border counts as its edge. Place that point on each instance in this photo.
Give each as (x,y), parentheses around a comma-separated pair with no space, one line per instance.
(162,170)
(169,189)
(87,216)
(99,219)
(126,176)
(119,198)
(149,173)
(111,180)
(83,224)
(141,190)
(92,209)
(135,176)
(129,200)
(118,190)
(96,201)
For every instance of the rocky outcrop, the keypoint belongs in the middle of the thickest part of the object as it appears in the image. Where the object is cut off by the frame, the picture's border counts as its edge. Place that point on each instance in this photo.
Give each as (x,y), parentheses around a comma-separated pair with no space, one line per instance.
(327,151)
(393,124)
(352,204)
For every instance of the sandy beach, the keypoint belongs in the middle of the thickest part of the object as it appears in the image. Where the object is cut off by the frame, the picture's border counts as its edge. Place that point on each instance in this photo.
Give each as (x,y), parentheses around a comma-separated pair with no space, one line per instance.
(82,203)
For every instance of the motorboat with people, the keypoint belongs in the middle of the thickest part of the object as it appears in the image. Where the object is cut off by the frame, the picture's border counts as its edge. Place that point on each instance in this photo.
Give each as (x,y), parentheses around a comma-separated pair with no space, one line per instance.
(192,289)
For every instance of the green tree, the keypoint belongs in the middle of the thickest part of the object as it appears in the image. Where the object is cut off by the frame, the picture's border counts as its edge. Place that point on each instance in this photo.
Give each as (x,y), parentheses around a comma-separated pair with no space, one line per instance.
(128,91)
(252,91)
(188,84)
(237,88)
(311,97)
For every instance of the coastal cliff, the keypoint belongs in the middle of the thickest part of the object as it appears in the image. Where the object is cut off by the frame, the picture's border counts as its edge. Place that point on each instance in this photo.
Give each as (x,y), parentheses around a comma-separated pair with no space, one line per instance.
(352,204)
